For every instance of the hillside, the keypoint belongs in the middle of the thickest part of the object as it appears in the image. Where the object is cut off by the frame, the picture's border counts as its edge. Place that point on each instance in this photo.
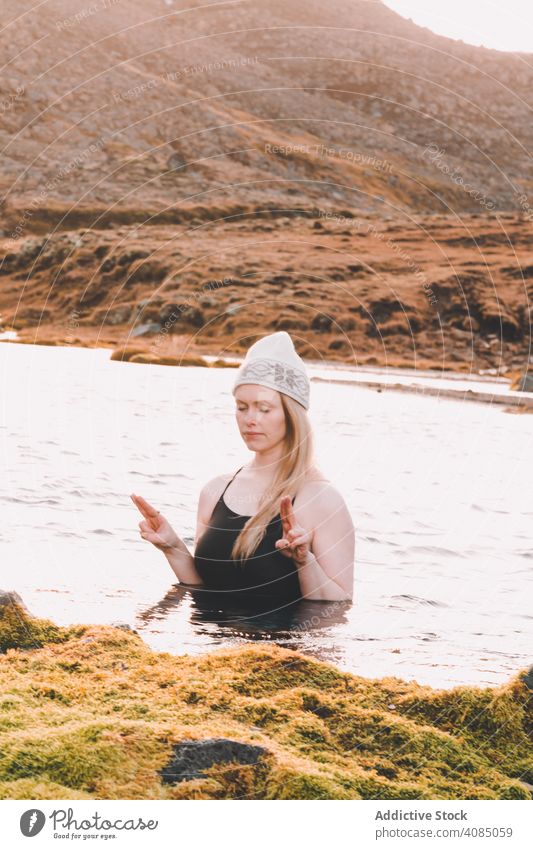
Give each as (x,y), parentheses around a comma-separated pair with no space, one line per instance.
(424,294)
(180,129)
(183,101)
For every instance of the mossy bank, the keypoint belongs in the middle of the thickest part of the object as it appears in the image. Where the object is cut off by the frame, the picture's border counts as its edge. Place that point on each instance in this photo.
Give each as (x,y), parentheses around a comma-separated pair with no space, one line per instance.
(92,712)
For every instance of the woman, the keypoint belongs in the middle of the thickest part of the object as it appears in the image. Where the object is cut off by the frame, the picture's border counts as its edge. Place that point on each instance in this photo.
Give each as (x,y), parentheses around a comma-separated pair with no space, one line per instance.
(275,528)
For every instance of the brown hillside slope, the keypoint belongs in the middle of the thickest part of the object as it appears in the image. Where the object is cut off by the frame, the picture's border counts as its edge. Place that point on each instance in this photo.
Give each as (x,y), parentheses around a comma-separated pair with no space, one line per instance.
(178,144)
(186,101)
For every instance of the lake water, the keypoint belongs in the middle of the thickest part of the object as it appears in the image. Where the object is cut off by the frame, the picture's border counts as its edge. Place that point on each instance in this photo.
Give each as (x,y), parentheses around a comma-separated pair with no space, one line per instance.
(441,494)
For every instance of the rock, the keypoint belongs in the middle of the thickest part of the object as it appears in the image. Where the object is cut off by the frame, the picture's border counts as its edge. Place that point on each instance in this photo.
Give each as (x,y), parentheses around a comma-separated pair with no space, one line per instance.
(124,626)
(125,354)
(223,364)
(146,271)
(147,359)
(459,334)
(108,264)
(175,162)
(208,302)
(191,360)
(146,329)
(464,324)
(115,315)
(193,757)
(143,303)
(322,323)
(289,324)
(525,383)
(130,256)
(29,250)
(10,597)
(34,316)
(172,313)
(347,323)
(20,630)
(394,327)
(147,314)
(338,344)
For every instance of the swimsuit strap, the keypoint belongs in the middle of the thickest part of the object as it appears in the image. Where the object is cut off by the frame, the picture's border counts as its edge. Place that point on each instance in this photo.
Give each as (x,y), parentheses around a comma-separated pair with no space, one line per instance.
(232,479)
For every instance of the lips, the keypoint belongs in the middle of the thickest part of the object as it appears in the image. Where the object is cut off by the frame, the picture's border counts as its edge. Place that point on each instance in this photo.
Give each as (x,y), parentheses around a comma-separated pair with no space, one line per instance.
(250,433)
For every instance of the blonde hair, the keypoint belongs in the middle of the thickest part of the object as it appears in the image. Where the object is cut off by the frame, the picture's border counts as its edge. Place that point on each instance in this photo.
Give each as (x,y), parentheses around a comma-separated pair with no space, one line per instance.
(295,465)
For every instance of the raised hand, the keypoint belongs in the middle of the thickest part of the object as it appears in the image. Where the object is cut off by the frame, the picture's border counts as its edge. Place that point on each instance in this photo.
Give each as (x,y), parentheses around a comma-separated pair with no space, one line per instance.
(155,528)
(296,541)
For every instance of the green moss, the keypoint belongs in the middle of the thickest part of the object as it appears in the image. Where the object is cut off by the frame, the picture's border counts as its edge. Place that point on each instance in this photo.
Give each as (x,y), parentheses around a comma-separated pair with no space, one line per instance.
(38,788)
(56,755)
(91,712)
(297,785)
(21,631)
(514,791)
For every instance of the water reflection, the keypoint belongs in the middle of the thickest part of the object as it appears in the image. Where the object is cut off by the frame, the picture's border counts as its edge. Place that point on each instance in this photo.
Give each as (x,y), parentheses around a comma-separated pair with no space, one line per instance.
(251,619)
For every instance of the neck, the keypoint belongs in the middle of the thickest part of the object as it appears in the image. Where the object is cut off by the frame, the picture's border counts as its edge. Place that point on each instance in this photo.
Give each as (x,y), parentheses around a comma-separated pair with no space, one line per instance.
(267,460)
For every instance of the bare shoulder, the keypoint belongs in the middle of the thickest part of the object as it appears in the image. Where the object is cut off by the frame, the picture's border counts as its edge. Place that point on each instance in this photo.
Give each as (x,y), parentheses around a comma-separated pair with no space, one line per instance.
(212,490)
(318,495)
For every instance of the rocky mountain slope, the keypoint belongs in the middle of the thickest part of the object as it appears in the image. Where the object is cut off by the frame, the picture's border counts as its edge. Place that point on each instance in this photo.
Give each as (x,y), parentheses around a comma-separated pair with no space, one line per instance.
(353,289)
(159,104)
(148,149)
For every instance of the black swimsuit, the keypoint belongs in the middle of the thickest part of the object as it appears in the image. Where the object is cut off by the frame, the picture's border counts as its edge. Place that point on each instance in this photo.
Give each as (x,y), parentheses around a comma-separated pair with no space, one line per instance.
(267,574)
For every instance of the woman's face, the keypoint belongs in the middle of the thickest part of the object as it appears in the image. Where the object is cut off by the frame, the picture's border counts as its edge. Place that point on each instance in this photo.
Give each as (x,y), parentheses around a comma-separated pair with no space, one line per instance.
(260,416)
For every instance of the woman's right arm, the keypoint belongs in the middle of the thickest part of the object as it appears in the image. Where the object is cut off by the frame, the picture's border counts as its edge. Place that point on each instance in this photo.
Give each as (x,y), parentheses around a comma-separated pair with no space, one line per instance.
(157,530)
(181,562)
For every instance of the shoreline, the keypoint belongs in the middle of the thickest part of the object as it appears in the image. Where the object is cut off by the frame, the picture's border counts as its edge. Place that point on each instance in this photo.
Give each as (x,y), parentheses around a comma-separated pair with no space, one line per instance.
(90,712)
(518,400)
(512,401)
(180,347)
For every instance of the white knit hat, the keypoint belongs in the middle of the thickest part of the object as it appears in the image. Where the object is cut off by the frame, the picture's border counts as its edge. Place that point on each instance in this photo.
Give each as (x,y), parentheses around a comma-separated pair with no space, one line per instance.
(272,361)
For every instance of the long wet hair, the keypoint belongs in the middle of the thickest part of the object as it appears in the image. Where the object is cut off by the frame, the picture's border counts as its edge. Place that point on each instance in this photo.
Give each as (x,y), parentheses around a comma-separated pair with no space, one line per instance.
(294,467)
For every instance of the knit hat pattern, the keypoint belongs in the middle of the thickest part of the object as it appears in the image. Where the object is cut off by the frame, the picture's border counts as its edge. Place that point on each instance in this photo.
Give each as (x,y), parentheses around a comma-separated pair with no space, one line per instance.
(273,362)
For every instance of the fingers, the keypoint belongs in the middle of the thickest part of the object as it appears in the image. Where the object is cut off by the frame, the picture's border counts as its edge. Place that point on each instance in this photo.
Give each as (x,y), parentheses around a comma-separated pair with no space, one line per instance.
(284,548)
(153,538)
(148,534)
(145,528)
(292,543)
(146,509)
(288,519)
(153,516)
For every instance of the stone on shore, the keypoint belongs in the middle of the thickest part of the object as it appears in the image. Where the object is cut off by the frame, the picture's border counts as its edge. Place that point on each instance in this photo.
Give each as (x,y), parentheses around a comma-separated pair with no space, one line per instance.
(138,355)
(19,629)
(526,382)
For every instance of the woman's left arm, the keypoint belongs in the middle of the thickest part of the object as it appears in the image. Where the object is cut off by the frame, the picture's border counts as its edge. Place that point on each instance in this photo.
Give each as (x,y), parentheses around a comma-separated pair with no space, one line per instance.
(324,557)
